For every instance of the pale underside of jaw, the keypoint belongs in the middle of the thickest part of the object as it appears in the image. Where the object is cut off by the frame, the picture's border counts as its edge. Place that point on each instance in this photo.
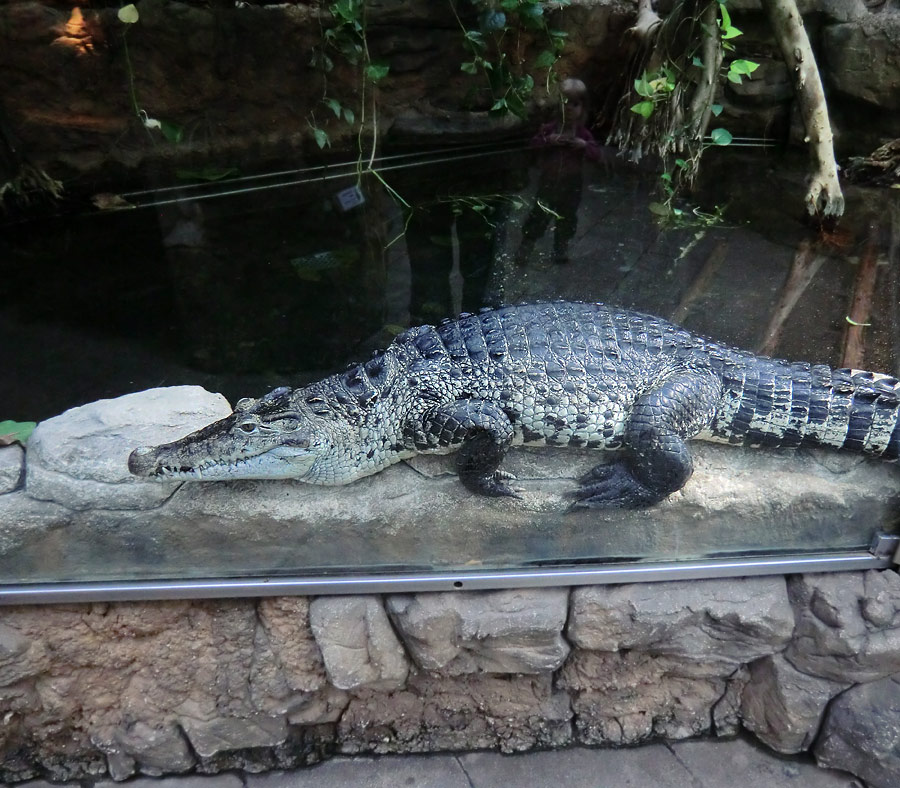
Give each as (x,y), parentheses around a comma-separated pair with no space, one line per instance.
(262,466)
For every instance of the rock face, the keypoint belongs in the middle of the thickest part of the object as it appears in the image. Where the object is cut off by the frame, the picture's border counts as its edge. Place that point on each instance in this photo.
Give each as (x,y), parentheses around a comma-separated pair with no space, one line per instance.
(64,70)
(848,626)
(491,632)
(715,619)
(358,645)
(79,459)
(862,732)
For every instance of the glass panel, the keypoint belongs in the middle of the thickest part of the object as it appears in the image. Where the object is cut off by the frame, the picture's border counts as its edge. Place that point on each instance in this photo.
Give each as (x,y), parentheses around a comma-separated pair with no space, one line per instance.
(254,283)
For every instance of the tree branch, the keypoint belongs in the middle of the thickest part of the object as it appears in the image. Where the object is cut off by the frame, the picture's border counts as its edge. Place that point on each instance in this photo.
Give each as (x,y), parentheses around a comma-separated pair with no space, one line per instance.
(824,196)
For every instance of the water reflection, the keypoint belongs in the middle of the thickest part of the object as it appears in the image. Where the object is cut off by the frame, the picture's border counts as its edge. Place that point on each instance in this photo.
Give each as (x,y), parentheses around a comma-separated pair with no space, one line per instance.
(282,285)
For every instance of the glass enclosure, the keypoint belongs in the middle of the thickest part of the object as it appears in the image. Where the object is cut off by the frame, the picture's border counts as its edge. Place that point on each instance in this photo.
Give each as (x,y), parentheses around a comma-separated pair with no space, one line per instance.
(255,195)
(268,280)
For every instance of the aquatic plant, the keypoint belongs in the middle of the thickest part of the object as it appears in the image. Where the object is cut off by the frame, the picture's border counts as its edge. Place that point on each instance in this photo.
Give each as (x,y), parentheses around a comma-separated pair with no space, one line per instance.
(15,432)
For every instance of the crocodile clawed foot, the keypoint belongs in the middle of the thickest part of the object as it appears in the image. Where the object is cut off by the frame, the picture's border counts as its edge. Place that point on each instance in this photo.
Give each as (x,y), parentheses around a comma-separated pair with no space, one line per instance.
(612,486)
(494,485)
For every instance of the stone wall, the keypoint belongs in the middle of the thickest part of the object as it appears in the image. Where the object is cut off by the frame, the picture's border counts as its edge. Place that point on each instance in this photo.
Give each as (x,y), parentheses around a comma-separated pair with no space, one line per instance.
(238,78)
(811,663)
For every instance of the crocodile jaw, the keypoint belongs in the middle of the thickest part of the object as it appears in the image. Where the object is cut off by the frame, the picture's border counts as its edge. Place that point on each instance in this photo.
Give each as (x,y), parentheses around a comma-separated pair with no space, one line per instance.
(167,463)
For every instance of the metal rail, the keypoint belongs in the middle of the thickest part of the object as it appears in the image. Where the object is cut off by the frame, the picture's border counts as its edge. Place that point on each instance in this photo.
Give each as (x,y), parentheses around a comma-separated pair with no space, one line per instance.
(880,556)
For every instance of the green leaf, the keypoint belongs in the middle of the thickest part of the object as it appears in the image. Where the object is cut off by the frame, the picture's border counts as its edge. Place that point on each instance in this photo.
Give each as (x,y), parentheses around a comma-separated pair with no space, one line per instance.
(697,62)
(15,432)
(643,108)
(659,209)
(666,176)
(716,109)
(720,136)
(475,39)
(733,77)
(642,86)
(171,131)
(334,105)
(726,17)
(743,66)
(731,32)
(349,115)
(545,59)
(469,68)
(321,138)
(680,163)
(128,14)
(499,106)
(515,105)
(376,72)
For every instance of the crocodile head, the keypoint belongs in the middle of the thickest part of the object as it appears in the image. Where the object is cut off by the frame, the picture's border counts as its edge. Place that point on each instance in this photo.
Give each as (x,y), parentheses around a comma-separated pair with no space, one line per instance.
(267,438)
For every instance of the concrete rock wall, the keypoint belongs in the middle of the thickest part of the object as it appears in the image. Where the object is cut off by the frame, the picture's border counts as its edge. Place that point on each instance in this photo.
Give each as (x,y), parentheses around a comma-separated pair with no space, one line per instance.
(160,688)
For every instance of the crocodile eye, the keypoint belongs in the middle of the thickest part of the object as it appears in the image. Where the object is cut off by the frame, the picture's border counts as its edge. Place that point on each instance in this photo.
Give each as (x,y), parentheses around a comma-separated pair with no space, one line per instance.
(248,427)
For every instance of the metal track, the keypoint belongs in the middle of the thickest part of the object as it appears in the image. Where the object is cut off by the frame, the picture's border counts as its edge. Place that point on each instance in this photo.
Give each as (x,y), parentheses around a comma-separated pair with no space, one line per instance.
(880,556)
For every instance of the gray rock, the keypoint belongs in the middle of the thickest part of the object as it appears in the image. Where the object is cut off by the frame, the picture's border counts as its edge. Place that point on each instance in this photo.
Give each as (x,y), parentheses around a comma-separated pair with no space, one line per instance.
(156,749)
(861,733)
(12,467)
(516,631)
(358,645)
(783,706)
(706,619)
(626,698)
(14,665)
(848,625)
(22,519)
(79,459)
(225,734)
(219,781)
(860,59)
(316,708)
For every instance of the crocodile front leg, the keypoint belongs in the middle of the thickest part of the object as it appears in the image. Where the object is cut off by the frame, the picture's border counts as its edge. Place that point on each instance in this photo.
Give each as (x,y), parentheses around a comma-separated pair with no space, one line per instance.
(656,460)
(483,433)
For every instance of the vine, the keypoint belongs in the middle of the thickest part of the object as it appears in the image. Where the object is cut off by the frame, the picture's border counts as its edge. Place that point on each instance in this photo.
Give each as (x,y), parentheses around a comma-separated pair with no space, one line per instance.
(129,16)
(676,93)
(347,38)
(509,83)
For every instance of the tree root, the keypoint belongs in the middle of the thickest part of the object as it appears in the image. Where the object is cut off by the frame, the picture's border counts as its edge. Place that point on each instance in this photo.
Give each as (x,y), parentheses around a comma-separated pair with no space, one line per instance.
(823,197)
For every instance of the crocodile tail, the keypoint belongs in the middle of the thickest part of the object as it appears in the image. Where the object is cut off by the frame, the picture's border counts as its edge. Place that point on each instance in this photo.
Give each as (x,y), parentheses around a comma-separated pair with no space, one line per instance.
(767,402)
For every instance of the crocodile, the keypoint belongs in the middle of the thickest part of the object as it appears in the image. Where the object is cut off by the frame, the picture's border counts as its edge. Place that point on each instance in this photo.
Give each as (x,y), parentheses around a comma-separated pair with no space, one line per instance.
(556,374)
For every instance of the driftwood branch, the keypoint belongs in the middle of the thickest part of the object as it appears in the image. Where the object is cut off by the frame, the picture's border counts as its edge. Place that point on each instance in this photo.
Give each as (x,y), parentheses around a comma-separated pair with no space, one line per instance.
(824,196)
(705,92)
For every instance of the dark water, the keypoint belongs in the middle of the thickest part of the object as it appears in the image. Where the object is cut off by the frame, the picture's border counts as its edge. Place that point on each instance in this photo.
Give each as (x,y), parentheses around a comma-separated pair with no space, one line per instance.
(279,284)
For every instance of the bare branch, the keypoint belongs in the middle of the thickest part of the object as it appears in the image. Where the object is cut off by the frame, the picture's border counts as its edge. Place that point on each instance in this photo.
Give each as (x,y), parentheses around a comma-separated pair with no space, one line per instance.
(824,196)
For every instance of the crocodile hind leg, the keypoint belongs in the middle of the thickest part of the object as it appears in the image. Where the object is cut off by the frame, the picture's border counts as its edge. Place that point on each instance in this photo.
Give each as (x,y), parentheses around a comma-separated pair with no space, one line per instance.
(481,431)
(655,461)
